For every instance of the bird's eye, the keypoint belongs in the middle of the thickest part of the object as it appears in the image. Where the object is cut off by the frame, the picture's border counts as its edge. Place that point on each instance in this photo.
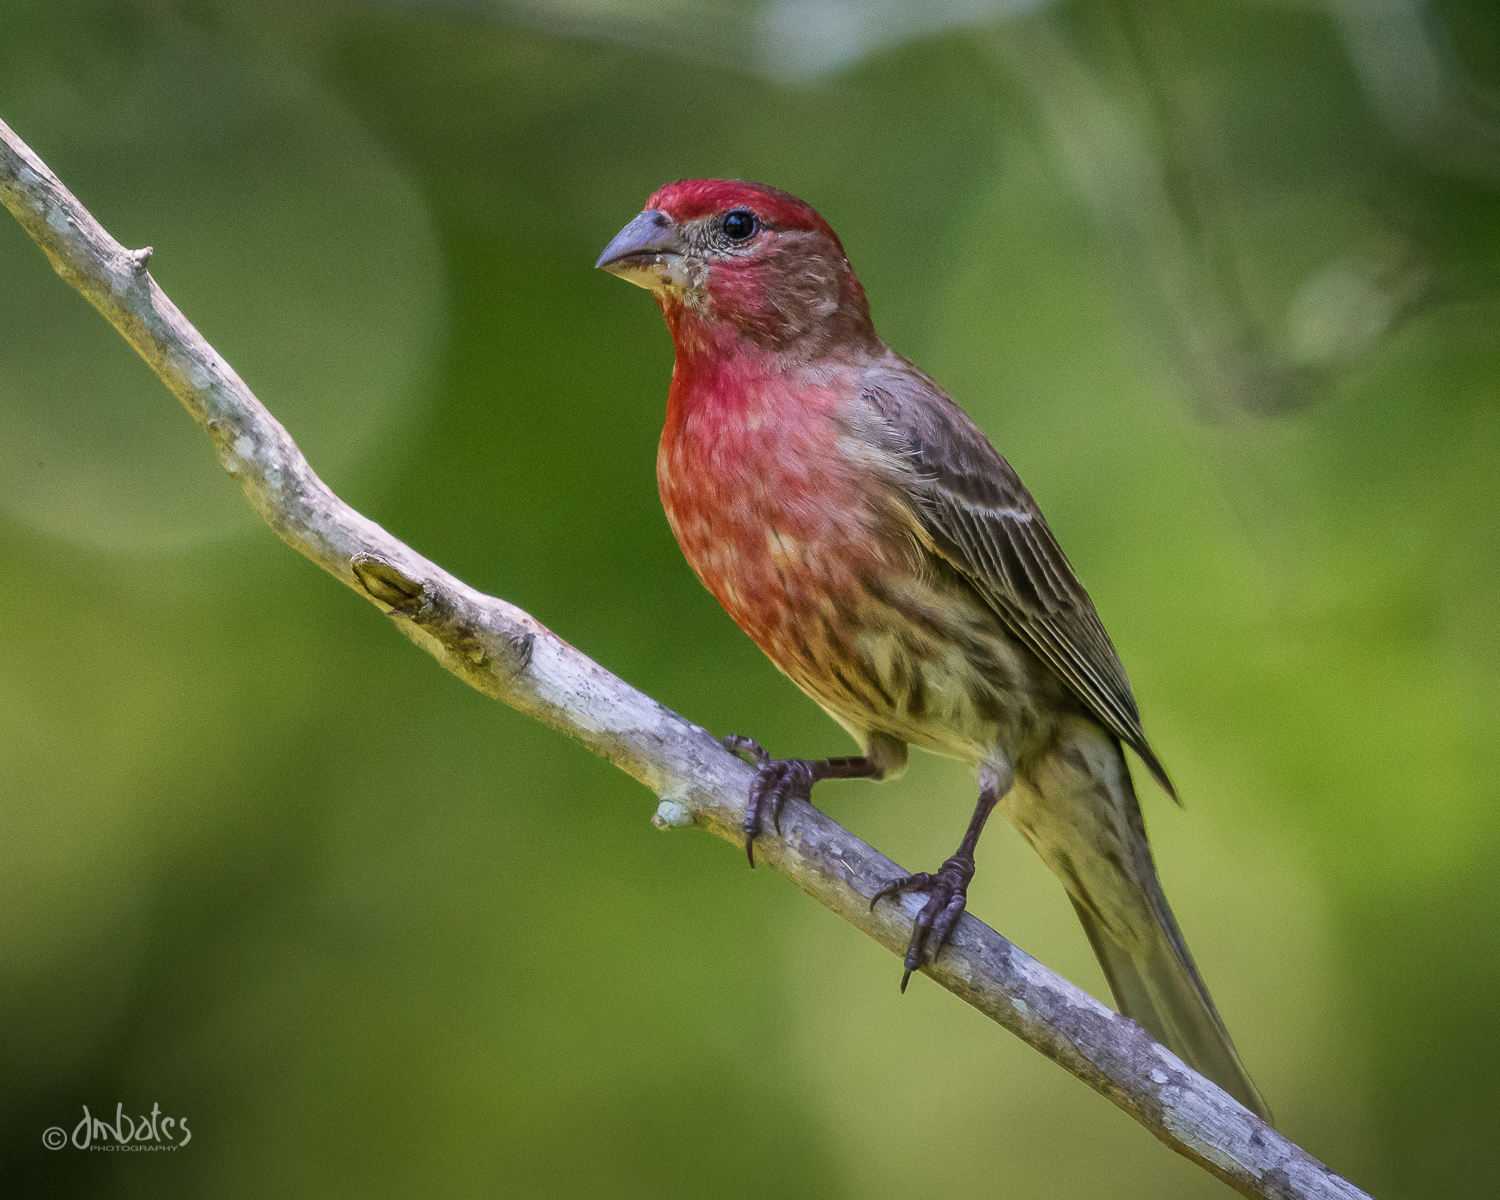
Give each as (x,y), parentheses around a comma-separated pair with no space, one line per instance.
(738,225)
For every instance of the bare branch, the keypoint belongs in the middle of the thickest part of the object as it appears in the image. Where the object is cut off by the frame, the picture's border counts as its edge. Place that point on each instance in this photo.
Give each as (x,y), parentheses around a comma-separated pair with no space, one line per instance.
(497,648)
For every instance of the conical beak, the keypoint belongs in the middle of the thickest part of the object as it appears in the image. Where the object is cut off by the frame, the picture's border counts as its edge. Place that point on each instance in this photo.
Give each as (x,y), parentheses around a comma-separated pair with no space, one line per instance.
(647,252)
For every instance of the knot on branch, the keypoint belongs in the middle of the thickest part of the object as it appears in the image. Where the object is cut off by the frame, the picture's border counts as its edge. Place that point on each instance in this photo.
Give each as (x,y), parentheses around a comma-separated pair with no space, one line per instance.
(385,582)
(463,631)
(672,813)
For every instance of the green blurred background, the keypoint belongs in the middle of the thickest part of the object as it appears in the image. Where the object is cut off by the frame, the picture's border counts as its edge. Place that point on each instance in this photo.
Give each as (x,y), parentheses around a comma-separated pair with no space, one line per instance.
(1222,279)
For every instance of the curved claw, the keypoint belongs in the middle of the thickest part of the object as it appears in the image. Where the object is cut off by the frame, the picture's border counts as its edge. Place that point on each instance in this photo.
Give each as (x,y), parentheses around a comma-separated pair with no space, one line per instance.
(776,782)
(946,901)
(902,883)
(741,746)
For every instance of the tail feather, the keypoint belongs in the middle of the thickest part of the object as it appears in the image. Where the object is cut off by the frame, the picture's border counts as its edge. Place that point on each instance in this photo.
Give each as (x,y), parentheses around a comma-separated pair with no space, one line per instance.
(1077,807)
(1159,987)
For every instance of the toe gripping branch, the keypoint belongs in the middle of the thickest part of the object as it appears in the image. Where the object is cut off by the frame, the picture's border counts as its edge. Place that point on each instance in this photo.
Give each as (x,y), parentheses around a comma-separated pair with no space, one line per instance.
(778,780)
(947,891)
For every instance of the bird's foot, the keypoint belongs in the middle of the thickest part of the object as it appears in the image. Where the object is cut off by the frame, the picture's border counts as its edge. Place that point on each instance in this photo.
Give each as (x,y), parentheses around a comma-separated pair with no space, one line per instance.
(947,894)
(777,780)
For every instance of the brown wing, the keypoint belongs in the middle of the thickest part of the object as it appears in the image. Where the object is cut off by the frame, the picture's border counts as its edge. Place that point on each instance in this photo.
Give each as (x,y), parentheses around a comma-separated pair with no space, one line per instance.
(985,523)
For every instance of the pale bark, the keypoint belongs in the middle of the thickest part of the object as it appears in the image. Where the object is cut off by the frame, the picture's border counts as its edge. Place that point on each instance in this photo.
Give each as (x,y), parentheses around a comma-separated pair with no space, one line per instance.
(507,654)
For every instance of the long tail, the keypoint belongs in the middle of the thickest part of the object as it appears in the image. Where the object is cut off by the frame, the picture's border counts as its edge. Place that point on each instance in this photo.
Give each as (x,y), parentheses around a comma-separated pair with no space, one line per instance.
(1161,989)
(1080,812)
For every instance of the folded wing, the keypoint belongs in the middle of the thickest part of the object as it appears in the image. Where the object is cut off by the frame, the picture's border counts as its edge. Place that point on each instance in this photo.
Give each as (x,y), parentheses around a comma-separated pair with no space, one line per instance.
(984,522)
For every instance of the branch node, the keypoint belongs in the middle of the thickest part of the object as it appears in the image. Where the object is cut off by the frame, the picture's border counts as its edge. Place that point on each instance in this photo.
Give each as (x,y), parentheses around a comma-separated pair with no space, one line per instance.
(521,645)
(382,580)
(672,814)
(139,258)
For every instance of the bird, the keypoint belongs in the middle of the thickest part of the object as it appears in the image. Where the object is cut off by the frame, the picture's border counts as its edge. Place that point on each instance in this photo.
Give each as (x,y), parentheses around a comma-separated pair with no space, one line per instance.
(859,526)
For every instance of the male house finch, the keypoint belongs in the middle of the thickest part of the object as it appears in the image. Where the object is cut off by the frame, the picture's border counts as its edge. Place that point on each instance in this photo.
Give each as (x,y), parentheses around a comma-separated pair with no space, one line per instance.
(858,525)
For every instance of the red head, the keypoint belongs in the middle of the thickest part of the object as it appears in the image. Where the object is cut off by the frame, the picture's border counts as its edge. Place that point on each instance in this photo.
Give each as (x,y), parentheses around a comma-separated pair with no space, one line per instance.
(691,199)
(719,252)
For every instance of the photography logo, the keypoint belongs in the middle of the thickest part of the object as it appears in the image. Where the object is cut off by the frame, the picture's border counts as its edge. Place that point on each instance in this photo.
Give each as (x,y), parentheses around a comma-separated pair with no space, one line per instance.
(147,1133)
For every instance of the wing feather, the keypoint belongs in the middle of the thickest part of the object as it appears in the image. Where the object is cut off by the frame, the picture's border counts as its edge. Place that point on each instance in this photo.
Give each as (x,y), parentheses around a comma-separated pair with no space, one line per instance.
(984,522)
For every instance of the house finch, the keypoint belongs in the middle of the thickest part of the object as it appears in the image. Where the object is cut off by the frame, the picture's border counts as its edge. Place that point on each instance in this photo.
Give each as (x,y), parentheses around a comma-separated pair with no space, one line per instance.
(859,526)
